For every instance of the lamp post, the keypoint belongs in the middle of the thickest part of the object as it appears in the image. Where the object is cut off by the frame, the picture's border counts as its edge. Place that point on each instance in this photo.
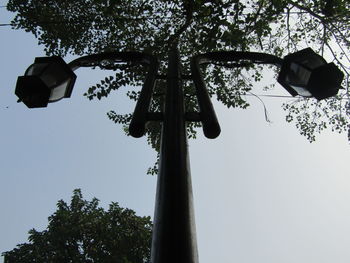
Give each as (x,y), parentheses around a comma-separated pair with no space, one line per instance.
(174,240)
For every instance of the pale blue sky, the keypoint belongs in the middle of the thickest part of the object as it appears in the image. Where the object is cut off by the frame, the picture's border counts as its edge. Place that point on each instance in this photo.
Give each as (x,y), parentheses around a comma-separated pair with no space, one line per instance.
(262,193)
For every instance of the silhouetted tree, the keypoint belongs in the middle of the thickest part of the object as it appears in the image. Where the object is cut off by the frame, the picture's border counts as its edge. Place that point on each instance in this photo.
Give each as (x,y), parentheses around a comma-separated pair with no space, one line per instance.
(83,232)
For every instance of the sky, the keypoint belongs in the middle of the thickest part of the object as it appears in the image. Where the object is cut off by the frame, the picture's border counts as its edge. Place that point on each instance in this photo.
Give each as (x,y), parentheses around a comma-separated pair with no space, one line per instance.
(262,192)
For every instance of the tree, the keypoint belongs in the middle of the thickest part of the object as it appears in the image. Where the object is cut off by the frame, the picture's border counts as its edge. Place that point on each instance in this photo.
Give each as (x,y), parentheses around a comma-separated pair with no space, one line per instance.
(84,232)
(277,27)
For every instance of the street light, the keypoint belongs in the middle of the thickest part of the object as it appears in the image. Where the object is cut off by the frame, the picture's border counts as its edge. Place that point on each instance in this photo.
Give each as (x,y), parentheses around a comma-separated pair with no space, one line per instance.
(302,73)
(49,79)
(307,74)
(174,237)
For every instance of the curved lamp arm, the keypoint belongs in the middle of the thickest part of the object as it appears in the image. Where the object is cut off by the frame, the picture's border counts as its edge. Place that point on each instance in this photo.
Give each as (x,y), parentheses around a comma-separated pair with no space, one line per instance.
(138,122)
(211,127)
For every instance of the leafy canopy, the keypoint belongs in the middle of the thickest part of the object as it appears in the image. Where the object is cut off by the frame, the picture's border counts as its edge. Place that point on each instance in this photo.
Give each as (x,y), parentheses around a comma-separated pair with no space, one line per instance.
(277,27)
(84,232)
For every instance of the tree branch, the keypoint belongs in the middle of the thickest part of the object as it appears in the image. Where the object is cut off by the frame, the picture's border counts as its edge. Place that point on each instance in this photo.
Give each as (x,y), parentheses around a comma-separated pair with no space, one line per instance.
(188,6)
(306,10)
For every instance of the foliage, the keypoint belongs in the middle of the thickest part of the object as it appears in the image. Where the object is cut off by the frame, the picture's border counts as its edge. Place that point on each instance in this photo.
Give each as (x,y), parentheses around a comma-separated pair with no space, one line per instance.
(84,232)
(277,27)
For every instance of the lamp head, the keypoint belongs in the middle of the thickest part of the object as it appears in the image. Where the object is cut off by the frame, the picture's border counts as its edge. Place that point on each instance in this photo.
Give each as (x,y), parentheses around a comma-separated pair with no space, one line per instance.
(49,79)
(307,74)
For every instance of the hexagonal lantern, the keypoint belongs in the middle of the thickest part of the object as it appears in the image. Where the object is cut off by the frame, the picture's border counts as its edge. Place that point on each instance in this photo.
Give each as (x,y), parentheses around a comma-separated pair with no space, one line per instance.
(307,74)
(49,79)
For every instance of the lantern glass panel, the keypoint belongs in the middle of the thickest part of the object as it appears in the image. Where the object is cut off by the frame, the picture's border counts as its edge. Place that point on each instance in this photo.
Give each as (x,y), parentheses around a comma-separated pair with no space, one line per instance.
(59,91)
(35,69)
(301,91)
(298,75)
(54,75)
(298,78)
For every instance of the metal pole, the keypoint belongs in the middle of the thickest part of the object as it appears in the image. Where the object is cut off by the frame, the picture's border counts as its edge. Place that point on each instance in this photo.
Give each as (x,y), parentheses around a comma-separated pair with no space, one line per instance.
(174,237)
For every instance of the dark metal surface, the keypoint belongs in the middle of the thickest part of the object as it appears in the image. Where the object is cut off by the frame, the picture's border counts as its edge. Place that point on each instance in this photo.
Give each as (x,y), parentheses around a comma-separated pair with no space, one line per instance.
(107,60)
(137,125)
(211,127)
(32,91)
(174,237)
